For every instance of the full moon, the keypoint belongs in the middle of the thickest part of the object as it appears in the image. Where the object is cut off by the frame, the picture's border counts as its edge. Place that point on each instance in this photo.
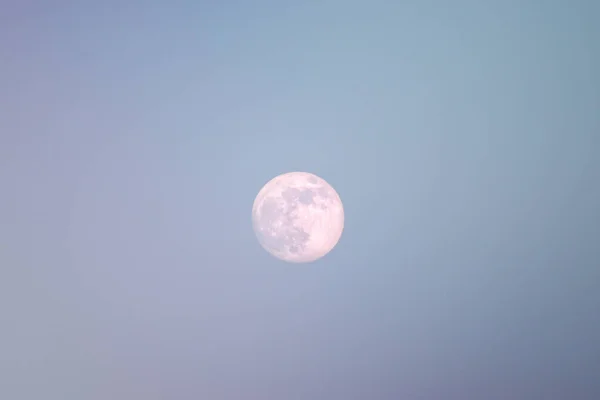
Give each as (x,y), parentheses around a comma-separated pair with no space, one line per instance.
(298,217)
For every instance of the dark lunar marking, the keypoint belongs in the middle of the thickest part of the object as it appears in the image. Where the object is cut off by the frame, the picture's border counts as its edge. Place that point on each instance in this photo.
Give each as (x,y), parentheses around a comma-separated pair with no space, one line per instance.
(298,237)
(306,197)
(287,236)
(312,179)
(274,243)
(293,238)
(291,194)
(269,212)
(323,192)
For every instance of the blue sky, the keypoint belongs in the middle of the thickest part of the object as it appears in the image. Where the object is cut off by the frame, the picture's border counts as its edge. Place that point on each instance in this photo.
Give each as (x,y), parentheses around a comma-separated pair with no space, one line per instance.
(462,138)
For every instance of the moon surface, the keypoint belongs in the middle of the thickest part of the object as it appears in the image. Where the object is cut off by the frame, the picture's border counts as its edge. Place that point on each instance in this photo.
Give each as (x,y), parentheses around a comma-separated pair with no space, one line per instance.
(298,217)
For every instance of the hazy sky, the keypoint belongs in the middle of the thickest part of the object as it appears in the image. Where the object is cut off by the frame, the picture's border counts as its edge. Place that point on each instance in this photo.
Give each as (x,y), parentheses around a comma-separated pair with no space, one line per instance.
(462,137)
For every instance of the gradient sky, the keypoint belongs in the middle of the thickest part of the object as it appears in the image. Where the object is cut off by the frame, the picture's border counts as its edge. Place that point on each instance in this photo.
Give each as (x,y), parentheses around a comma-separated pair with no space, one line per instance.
(462,137)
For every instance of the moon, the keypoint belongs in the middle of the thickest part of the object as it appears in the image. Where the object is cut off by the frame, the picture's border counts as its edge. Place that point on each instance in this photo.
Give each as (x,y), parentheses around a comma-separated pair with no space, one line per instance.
(298,217)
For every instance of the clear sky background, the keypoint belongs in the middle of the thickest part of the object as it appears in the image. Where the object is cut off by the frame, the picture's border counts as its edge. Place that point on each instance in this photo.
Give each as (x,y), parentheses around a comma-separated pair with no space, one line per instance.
(462,137)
